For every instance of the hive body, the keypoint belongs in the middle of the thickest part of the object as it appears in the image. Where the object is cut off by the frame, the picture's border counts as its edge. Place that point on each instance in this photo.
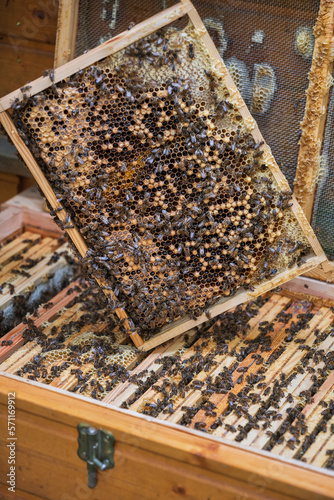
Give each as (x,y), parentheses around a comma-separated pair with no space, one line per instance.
(152,159)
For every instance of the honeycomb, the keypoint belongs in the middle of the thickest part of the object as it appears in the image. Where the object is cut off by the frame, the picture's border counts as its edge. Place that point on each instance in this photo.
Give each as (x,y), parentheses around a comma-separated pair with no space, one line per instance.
(263,88)
(150,156)
(239,73)
(304,42)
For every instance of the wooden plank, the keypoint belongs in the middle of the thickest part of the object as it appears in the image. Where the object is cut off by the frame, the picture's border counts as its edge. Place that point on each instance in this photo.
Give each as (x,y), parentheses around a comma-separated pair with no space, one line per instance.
(8,186)
(319,274)
(42,409)
(8,250)
(107,48)
(275,304)
(24,60)
(284,364)
(67,27)
(221,400)
(313,415)
(322,456)
(193,397)
(67,381)
(29,199)
(316,453)
(32,348)
(33,21)
(314,120)
(168,477)
(310,286)
(300,383)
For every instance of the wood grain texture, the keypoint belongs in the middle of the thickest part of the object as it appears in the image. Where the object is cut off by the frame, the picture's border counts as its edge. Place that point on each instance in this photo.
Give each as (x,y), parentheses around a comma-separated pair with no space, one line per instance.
(23,60)
(163,459)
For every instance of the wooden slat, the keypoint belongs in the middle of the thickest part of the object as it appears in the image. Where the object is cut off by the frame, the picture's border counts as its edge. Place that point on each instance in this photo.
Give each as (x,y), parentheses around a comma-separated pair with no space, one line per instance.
(285,364)
(308,286)
(67,380)
(327,439)
(316,453)
(193,397)
(32,348)
(67,27)
(40,250)
(313,414)
(221,401)
(124,391)
(43,314)
(275,304)
(300,383)
(9,249)
(319,274)
(106,49)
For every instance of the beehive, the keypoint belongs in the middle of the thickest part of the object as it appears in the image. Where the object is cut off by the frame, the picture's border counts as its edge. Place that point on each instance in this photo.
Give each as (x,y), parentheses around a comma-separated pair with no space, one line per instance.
(254,384)
(164,173)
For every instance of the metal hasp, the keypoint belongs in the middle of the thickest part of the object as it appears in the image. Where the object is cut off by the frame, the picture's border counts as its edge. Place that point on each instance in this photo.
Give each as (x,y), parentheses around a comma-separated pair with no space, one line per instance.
(96,447)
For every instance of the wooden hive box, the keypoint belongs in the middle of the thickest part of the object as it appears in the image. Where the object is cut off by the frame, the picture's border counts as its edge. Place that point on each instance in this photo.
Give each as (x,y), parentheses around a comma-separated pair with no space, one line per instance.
(173,233)
(156,458)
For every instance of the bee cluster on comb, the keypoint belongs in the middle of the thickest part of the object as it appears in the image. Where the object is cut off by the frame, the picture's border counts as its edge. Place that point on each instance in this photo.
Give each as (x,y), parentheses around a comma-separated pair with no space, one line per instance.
(149,154)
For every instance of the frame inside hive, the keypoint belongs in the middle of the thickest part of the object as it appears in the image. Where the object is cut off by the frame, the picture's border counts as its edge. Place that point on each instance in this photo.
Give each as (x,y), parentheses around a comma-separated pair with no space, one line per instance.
(200,42)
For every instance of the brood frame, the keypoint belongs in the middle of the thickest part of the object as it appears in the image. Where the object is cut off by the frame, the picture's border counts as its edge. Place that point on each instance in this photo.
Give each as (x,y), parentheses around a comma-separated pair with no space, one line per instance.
(112,46)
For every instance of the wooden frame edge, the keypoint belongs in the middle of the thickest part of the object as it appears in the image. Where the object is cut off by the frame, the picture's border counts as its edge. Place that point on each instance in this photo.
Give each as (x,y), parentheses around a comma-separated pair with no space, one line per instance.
(73,233)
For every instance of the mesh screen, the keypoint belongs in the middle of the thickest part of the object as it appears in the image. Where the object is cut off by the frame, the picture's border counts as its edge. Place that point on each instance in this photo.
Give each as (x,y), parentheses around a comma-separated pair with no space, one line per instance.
(323,209)
(266,45)
(148,151)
